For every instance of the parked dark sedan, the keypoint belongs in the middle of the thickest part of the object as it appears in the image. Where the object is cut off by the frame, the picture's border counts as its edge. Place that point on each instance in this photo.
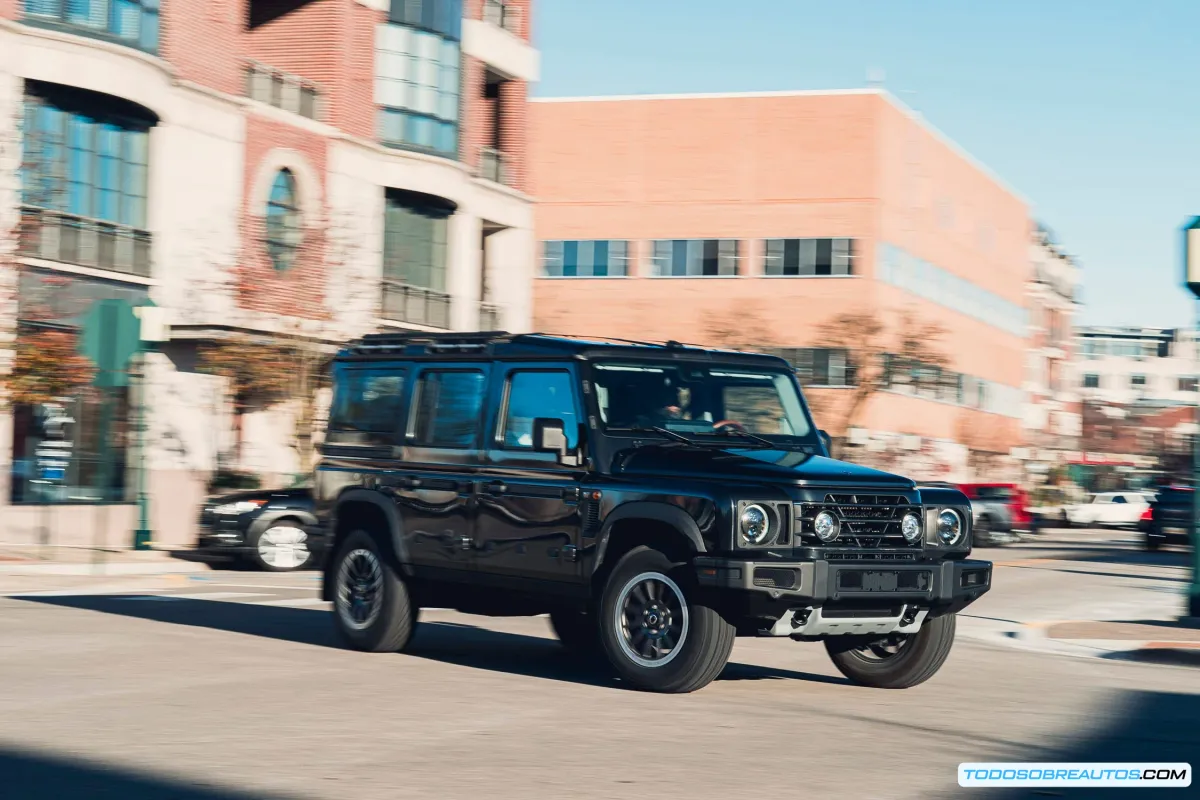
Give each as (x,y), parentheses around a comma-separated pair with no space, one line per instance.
(272,530)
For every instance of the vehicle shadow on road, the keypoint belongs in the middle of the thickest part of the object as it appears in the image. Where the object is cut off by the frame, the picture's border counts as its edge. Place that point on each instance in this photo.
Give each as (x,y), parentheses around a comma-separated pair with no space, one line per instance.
(448,642)
(1145,727)
(40,776)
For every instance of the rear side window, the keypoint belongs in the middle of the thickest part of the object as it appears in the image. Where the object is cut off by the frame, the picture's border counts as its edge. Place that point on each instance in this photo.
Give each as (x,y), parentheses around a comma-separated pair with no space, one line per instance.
(448,409)
(367,401)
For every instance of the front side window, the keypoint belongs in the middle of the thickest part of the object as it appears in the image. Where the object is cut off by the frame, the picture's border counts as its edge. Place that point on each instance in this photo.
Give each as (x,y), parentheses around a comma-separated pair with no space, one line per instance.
(695,258)
(283,221)
(367,401)
(700,399)
(132,22)
(448,409)
(534,394)
(418,76)
(808,257)
(585,258)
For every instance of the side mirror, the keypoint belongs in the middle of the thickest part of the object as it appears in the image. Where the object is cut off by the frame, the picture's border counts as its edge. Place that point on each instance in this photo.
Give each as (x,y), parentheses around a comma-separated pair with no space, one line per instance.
(826,441)
(550,436)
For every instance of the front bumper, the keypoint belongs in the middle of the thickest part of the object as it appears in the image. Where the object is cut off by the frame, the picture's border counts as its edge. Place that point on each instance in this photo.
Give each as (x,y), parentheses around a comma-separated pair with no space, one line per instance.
(933,584)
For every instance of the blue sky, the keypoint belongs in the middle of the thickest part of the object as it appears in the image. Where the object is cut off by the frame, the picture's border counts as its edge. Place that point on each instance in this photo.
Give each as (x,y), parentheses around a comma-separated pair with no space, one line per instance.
(1090,109)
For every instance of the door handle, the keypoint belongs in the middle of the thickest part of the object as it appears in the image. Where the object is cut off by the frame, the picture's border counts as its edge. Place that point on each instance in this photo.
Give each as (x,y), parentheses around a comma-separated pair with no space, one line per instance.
(571,495)
(496,487)
(465,542)
(409,482)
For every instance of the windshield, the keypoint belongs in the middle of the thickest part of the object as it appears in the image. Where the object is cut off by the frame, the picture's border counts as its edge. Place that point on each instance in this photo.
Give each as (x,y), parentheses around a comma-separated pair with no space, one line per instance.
(701,399)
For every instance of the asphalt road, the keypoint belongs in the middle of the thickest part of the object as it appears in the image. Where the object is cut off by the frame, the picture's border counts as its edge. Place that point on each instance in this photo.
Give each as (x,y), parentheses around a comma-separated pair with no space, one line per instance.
(232,685)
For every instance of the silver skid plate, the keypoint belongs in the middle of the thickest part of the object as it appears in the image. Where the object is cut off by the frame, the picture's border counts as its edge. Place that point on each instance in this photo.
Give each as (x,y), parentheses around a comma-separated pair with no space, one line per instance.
(819,625)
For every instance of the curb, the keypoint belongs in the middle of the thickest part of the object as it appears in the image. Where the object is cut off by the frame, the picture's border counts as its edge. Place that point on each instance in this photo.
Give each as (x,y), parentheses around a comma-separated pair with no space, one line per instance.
(1178,653)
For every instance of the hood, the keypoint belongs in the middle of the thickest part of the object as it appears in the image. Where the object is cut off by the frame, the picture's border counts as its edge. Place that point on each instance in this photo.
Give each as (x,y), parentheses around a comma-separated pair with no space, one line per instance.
(764,466)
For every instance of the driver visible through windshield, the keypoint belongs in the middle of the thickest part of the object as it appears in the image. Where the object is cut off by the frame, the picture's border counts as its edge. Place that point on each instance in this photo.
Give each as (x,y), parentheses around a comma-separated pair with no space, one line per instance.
(701,399)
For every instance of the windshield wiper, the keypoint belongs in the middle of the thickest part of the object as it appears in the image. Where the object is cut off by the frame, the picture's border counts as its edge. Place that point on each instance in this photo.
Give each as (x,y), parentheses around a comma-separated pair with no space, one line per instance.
(663,432)
(750,437)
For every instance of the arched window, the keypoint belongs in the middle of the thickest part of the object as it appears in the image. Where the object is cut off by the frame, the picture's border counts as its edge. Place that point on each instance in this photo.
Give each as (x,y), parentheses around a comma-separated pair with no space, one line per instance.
(283,221)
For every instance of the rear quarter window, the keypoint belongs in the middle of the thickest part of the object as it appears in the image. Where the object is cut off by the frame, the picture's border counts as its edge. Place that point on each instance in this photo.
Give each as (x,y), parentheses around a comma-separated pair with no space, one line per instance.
(368,405)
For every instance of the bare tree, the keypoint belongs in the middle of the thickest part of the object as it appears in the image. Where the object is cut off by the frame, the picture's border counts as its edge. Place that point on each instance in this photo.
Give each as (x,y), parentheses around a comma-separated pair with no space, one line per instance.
(877,349)
(289,365)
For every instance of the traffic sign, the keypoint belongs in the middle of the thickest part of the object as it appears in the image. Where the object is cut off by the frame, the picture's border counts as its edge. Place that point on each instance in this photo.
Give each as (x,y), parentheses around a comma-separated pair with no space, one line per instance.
(1191,256)
(111,336)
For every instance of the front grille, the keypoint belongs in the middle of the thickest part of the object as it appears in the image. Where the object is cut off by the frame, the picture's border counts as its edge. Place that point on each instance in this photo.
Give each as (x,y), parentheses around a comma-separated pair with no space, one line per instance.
(868,521)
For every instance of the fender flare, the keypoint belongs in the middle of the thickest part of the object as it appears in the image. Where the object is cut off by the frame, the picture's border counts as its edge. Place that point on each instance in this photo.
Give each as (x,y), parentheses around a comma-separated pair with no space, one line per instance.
(395,529)
(670,515)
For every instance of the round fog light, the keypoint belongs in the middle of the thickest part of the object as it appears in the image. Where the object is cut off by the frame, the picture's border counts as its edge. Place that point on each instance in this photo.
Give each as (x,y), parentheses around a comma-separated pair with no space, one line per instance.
(949,526)
(910,526)
(825,525)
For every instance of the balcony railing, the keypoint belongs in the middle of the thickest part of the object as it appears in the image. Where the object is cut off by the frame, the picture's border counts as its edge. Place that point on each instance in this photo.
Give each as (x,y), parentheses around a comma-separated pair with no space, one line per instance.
(494,166)
(84,242)
(282,90)
(416,305)
(502,15)
(490,317)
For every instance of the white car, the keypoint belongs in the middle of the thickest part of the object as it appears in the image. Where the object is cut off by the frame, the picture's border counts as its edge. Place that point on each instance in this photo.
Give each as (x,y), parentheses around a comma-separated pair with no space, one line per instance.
(1109,510)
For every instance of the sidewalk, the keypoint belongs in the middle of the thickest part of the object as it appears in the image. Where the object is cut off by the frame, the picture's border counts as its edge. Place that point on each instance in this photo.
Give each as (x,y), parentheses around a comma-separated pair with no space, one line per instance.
(55,560)
(1168,641)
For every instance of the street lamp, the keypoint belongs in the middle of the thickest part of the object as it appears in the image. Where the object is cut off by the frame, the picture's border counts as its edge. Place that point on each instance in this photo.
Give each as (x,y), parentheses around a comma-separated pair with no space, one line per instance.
(1191,279)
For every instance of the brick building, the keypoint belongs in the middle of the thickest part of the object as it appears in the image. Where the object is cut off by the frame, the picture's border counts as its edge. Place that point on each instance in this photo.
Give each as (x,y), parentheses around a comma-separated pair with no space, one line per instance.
(759,219)
(256,168)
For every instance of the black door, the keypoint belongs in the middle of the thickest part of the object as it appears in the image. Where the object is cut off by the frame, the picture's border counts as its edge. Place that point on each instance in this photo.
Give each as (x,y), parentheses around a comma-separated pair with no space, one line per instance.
(433,483)
(528,520)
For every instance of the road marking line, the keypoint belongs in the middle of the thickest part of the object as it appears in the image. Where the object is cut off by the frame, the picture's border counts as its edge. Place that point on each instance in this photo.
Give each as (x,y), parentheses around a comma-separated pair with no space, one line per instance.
(1171,646)
(299,602)
(214,595)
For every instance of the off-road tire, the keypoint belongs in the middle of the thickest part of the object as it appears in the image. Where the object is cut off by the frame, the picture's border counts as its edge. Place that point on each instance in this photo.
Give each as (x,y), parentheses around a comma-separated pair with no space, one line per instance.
(701,652)
(916,663)
(578,632)
(395,619)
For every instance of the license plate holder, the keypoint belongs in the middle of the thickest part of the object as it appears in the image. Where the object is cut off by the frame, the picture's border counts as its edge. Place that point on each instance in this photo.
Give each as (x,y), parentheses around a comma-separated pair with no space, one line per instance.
(1175,531)
(884,580)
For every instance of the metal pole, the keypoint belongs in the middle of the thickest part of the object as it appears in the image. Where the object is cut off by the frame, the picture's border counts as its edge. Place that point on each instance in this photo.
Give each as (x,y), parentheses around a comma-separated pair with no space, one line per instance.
(1193,611)
(103,477)
(142,536)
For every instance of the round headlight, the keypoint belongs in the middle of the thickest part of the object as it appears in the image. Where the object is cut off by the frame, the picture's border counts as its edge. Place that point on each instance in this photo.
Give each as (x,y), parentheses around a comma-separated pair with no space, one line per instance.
(825,525)
(756,525)
(949,526)
(910,526)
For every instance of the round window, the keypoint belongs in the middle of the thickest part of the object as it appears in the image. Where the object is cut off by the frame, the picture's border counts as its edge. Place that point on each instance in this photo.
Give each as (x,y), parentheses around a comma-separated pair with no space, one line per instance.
(283,221)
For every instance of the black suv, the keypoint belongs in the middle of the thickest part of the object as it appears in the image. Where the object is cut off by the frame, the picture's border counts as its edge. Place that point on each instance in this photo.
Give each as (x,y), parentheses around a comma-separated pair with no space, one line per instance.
(656,500)
(1172,512)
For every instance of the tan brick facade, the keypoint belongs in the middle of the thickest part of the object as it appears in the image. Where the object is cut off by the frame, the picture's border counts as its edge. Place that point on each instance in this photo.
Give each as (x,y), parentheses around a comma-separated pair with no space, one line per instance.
(790,165)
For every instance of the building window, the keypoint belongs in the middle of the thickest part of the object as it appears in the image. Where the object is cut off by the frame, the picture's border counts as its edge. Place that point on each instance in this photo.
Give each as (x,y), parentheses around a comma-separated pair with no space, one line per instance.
(283,221)
(694,258)
(130,22)
(1091,381)
(599,258)
(808,257)
(282,90)
(905,271)
(818,366)
(416,229)
(84,179)
(417,76)
(1189,383)
(1137,381)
